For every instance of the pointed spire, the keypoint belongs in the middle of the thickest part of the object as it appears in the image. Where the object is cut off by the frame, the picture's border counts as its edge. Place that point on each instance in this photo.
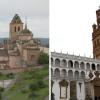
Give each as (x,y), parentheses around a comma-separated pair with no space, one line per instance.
(25,23)
(16,19)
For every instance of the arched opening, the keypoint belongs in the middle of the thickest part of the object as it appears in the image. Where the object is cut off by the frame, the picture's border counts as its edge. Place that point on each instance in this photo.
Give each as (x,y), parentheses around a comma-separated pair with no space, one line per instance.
(82,65)
(96,85)
(98,67)
(51,61)
(15,29)
(57,72)
(63,73)
(70,64)
(76,74)
(87,66)
(57,62)
(93,67)
(76,64)
(82,74)
(70,74)
(64,63)
(18,28)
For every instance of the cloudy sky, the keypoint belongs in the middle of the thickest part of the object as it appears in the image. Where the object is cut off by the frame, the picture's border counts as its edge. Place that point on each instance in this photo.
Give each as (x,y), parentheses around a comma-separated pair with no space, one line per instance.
(36,12)
(71,26)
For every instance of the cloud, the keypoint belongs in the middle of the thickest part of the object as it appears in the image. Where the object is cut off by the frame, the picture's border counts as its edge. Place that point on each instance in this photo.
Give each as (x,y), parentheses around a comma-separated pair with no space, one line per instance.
(36,11)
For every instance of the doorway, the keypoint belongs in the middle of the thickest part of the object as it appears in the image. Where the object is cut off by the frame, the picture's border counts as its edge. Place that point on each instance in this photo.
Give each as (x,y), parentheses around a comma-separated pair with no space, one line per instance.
(97,92)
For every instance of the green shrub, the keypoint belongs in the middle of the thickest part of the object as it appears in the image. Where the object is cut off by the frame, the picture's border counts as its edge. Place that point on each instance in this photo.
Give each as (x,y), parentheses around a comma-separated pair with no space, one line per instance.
(0,96)
(43,58)
(33,87)
(32,94)
(24,90)
(10,75)
(1,74)
(1,89)
(41,84)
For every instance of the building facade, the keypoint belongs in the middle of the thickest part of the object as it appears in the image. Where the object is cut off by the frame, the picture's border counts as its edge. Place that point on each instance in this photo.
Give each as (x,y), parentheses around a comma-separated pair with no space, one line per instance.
(96,36)
(75,77)
(21,49)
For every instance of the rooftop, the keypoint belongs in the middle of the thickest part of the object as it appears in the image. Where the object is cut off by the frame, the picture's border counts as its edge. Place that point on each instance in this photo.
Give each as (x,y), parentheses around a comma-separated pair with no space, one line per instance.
(74,57)
(16,19)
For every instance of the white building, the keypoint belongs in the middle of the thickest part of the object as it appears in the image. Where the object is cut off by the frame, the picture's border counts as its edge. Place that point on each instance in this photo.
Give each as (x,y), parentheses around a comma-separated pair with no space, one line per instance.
(75,77)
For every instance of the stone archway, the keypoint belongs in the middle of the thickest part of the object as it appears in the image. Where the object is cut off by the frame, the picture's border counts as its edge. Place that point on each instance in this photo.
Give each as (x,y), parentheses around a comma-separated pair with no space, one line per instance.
(96,86)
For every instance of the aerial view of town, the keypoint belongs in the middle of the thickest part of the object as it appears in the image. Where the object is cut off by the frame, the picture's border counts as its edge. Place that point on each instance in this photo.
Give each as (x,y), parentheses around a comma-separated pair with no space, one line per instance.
(24,58)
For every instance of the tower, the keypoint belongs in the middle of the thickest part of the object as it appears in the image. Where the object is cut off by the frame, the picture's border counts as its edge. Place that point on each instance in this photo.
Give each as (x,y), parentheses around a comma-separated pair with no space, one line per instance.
(96,36)
(16,26)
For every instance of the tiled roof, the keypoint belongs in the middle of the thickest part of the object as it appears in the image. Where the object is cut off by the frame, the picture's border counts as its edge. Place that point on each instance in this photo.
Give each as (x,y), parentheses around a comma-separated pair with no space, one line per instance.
(16,19)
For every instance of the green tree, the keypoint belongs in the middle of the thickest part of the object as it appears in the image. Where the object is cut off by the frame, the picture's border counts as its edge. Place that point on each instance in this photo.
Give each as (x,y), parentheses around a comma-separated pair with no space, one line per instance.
(33,86)
(43,58)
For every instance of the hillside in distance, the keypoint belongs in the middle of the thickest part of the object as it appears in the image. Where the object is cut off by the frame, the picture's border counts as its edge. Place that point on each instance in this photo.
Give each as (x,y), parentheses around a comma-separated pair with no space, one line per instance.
(44,41)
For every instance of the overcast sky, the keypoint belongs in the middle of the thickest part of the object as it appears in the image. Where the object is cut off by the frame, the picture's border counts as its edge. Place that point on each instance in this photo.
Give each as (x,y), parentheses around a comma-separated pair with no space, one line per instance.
(71,25)
(36,12)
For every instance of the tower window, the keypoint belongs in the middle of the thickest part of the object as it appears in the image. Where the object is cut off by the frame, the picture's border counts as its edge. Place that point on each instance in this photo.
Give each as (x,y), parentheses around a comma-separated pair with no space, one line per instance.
(18,28)
(15,28)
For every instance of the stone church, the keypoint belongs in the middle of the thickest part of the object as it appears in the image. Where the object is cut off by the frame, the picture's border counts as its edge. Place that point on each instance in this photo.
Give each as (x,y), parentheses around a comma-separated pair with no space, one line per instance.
(75,77)
(21,49)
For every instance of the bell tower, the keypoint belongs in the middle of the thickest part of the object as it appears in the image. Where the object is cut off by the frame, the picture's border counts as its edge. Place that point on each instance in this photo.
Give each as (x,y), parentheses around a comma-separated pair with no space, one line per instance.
(16,26)
(96,36)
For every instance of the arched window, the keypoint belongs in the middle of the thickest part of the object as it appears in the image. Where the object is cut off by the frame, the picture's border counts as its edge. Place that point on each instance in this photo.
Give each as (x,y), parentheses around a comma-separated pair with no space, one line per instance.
(57,72)
(51,72)
(76,64)
(51,61)
(87,66)
(70,64)
(93,67)
(98,67)
(82,74)
(76,74)
(15,29)
(18,28)
(70,74)
(64,63)
(63,73)
(57,62)
(82,65)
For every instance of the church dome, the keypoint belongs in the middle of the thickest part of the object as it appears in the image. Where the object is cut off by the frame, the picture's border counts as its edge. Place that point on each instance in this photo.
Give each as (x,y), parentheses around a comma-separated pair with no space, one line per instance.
(16,19)
(25,30)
